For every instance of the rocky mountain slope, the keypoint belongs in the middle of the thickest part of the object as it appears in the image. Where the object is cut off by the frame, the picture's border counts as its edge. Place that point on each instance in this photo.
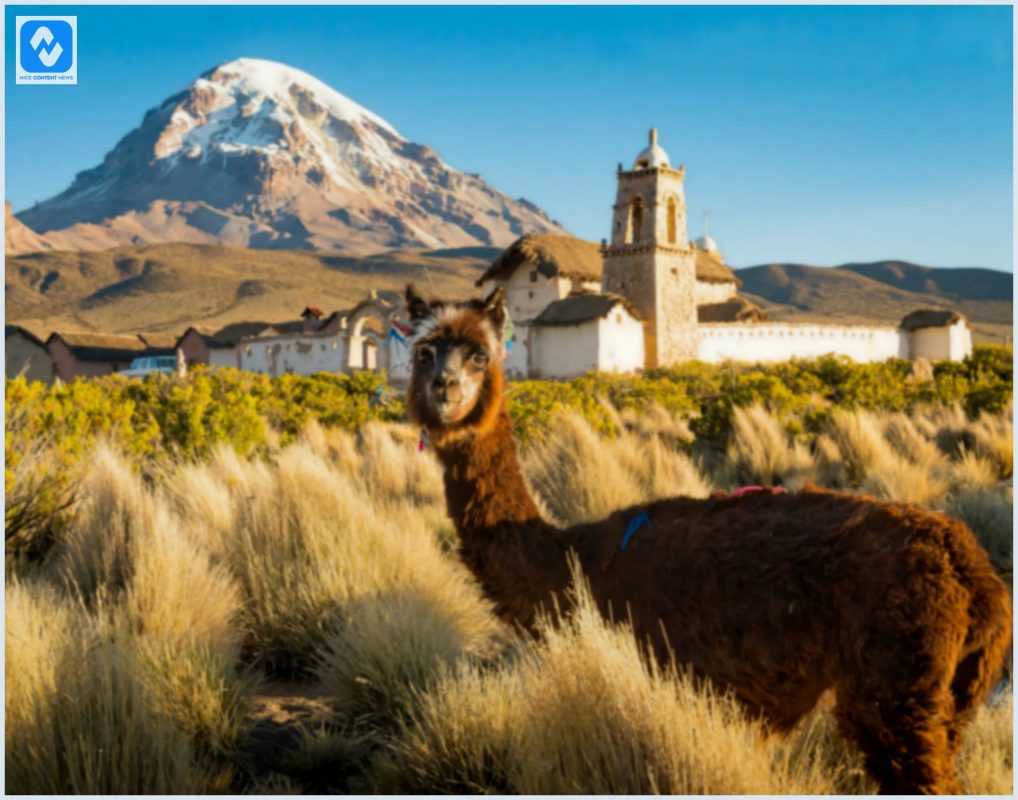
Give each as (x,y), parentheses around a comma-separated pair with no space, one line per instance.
(259,154)
(19,238)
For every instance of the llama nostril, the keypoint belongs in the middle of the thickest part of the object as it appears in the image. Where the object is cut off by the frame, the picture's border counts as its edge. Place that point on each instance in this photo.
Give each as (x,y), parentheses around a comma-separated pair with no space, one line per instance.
(446,381)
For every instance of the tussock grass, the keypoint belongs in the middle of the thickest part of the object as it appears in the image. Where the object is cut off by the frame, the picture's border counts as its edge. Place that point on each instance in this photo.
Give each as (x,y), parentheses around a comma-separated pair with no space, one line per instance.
(95,555)
(134,647)
(993,439)
(990,516)
(582,712)
(581,476)
(760,451)
(985,763)
(873,465)
(86,724)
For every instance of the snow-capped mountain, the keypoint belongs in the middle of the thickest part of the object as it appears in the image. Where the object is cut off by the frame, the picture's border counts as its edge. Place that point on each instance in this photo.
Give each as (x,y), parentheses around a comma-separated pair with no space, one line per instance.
(260,154)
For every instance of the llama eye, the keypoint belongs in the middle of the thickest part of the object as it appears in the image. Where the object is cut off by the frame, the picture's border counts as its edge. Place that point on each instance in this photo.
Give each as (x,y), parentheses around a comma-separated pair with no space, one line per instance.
(479,360)
(425,355)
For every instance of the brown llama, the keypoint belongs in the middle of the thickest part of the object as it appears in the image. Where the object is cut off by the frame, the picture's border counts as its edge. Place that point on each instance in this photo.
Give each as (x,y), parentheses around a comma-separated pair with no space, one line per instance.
(773,596)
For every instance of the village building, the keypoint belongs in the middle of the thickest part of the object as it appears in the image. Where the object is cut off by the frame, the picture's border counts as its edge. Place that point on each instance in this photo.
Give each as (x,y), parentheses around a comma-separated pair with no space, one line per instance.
(77,354)
(26,355)
(646,297)
(370,336)
(218,348)
(932,333)
(562,294)
(585,332)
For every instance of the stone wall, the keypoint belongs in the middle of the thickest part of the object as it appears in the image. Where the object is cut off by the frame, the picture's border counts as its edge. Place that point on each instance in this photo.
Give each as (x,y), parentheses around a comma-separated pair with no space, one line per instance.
(676,306)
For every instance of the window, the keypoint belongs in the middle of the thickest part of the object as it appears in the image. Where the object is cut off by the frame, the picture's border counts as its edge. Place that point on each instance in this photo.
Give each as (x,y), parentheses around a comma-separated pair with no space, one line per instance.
(533,276)
(635,228)
(530,295)
(672,215)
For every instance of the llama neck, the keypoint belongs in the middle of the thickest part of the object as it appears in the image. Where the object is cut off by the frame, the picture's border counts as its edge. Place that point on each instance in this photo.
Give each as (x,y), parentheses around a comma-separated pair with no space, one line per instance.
(518,558)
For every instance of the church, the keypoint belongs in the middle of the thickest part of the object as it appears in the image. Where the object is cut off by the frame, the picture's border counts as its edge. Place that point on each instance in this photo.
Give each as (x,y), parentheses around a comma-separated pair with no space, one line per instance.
(649,297)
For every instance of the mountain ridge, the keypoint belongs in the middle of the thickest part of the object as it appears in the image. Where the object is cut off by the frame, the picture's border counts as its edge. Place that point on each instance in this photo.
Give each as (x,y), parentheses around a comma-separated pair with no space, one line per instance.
(256,153)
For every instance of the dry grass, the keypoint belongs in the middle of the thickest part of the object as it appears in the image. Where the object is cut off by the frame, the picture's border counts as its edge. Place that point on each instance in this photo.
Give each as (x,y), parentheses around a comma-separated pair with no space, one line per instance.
(582,477)
(985,763)
(85,722)
(328,561)
(582,712)
(760,452)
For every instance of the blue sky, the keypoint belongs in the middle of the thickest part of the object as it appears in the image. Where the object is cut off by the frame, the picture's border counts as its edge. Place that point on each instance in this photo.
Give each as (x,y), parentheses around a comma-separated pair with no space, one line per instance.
(812,134)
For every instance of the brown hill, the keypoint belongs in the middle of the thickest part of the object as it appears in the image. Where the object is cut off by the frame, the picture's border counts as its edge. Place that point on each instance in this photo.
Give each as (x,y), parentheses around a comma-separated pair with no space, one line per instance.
(167,287)
(881,292)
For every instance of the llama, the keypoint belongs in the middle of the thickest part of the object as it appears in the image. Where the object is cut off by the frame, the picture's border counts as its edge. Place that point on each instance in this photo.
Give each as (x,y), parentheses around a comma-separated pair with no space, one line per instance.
(773,596)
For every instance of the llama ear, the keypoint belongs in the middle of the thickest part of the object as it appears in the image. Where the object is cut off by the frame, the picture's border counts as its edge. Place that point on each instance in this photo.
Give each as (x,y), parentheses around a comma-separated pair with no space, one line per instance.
(494,308)
(416,305)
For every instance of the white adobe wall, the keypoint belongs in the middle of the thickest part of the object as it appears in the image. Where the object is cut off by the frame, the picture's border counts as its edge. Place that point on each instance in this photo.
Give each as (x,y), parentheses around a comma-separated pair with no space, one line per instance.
(526,299)
(705,292)
(224,357)
(771,341)
(961,341)
(564,351)
(297,354)
(951,343)
(611,344)
(620,342)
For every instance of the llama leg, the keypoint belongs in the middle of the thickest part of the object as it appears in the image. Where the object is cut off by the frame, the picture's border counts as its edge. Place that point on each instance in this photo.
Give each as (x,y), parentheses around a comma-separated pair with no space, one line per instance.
(907,745)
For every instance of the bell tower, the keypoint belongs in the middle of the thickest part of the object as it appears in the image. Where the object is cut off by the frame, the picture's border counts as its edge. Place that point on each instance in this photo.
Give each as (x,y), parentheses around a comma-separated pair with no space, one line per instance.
(649,260)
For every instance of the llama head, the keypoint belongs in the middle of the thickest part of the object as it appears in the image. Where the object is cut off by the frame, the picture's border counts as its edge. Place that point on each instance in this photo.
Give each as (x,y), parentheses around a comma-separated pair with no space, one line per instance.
(457,382)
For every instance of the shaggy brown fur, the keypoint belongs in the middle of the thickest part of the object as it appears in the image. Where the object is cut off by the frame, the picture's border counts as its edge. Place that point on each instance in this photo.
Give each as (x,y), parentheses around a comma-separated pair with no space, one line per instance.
(776,597)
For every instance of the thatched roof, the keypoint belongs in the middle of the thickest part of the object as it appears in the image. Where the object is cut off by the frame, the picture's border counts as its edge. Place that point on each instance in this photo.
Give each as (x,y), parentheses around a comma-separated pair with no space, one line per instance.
(229,335)
(550,255)
(711,269)
(101,346)
(578,259)
(931,318)
(737,309)
(159,344)
(13,330)
(579,308)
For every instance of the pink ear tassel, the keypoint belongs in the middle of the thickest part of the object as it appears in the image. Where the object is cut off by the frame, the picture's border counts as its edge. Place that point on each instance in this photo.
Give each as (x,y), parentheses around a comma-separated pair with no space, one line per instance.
(423,441)
(751,489)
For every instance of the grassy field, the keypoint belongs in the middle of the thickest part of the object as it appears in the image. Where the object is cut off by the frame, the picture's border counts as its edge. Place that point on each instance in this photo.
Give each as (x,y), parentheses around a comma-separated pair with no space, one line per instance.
(285,613)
